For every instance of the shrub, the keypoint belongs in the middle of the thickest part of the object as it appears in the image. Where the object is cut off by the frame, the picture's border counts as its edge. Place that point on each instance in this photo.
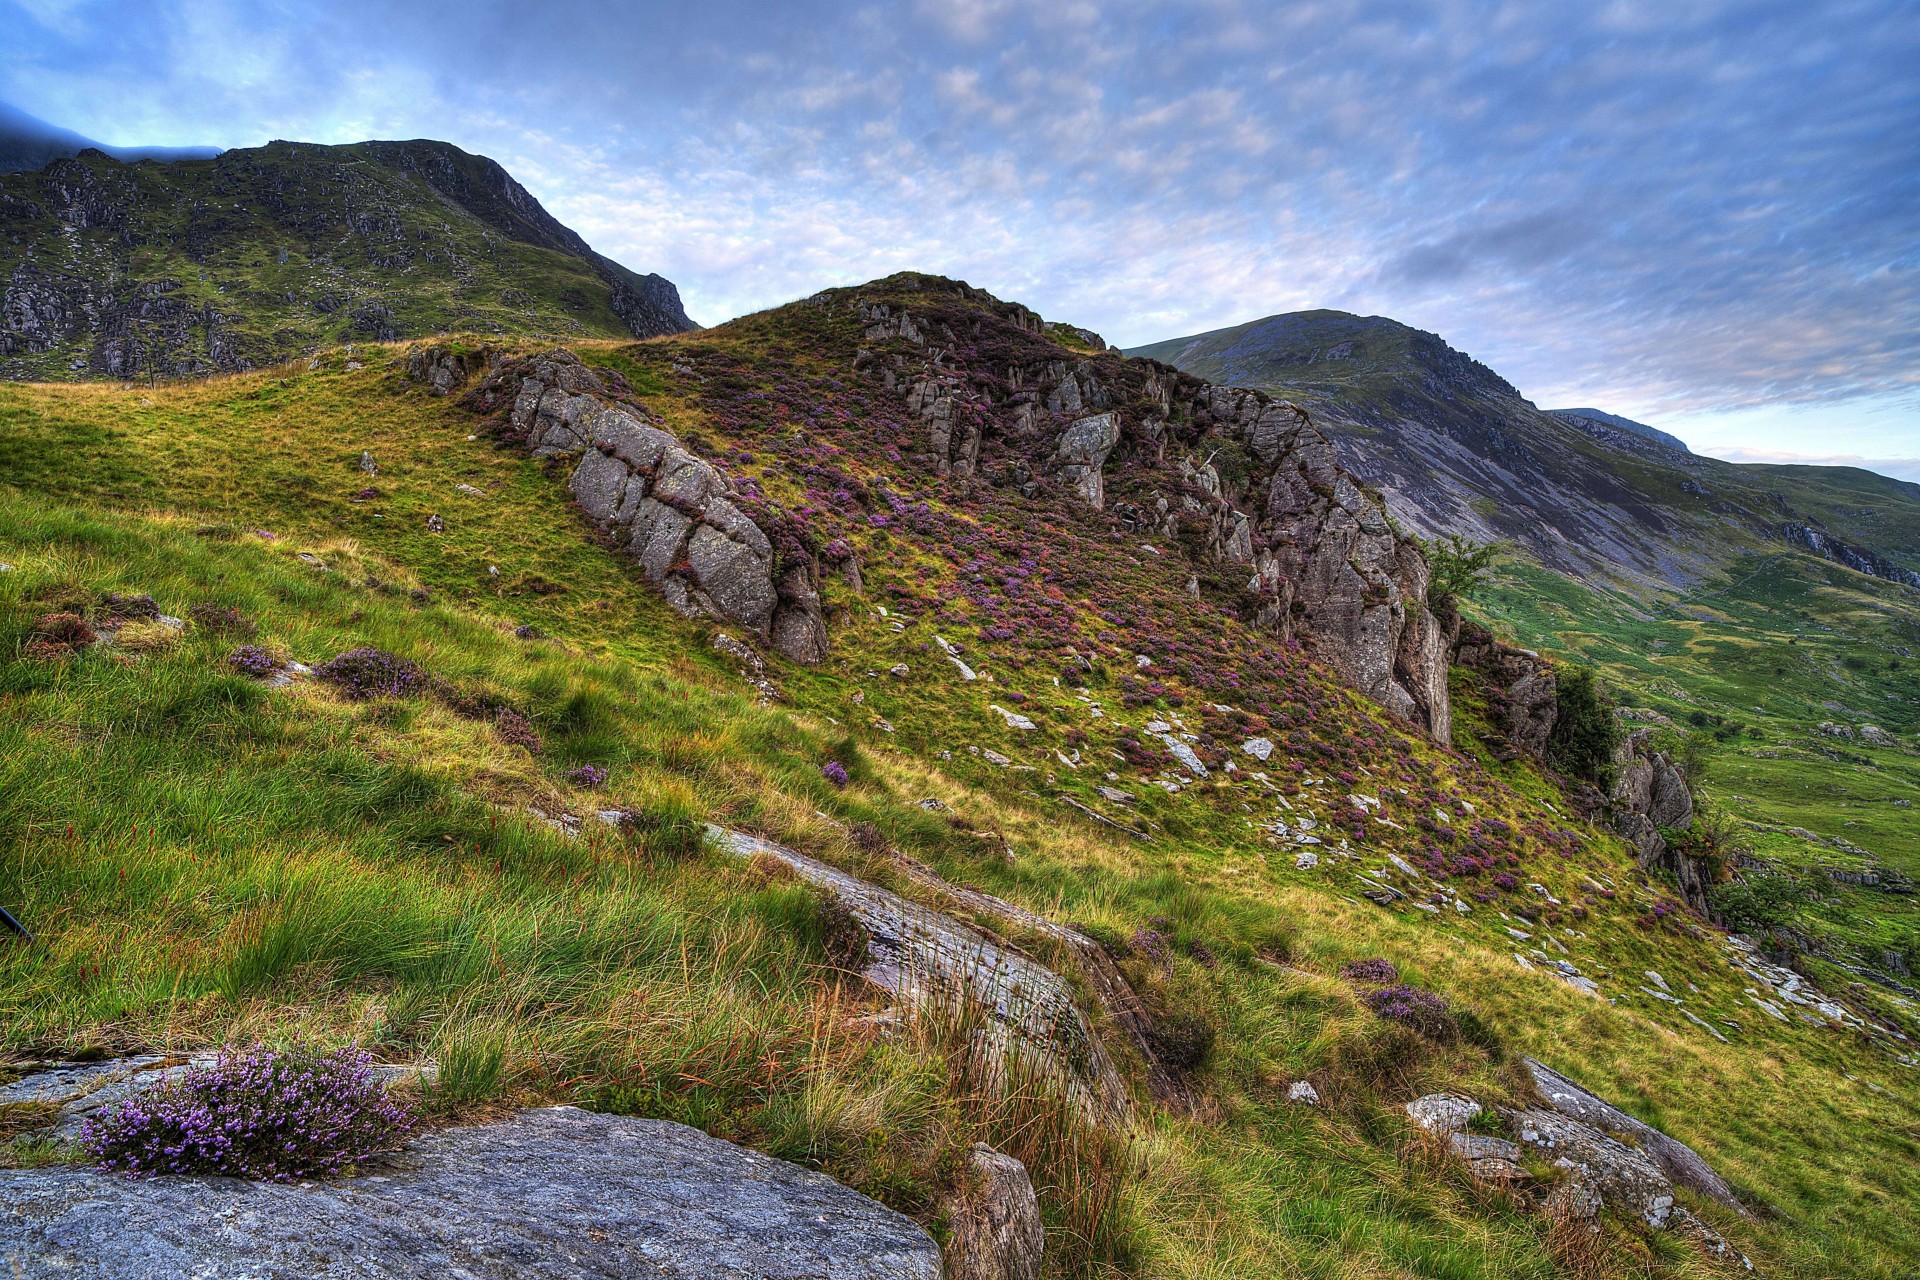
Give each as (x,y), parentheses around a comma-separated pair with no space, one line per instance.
(1184,1040)
(59,635)
(516,730)
(587,775)
(1415,1007)
(1584,730)
(221,620)
(116,609)
(833,771)
(1459,567)
(263,1113)
(1373,970)
(252,660)
(372,673)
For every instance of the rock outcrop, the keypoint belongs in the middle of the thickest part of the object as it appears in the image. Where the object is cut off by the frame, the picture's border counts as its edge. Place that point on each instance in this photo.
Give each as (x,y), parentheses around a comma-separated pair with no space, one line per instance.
(1603,1156)
(934,964)
(1244,483)
(1680,1163)
(997,1232)
(556,1192)
(1521,687)
(679,517)
(1651,796)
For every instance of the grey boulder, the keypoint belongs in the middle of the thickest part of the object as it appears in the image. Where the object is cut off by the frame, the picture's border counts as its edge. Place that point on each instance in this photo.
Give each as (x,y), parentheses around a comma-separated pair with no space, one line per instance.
(551,1193)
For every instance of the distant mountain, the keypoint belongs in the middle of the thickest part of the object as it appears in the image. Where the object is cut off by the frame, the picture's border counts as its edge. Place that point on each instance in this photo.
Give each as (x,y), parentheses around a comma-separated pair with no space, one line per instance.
(1594,422)
(27,142)
(1459,450)
(265,253)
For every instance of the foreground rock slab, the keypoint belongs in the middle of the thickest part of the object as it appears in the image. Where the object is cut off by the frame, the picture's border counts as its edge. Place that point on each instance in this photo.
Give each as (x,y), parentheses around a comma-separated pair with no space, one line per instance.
(552,1193)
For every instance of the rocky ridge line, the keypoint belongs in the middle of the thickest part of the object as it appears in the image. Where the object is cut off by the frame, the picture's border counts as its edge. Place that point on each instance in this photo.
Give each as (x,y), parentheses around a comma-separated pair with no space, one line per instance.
(1323,561)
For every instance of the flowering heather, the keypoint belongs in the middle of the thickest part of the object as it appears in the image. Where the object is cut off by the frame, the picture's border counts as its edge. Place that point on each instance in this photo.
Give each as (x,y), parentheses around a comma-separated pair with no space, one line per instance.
(263,1113)
(833,771)
(1414,1007)
(372,673)
(252,660)
(587,775)
(516,730)
(1374,970)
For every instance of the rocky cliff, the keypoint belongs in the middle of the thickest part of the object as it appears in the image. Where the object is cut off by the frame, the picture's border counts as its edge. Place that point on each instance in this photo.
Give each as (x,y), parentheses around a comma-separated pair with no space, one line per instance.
(146,270)
(1242,484)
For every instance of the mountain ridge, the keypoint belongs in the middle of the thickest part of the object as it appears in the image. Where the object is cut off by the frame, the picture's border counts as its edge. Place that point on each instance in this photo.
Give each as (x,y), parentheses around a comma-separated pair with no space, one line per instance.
(1582,492)
(261,254)
(27,142)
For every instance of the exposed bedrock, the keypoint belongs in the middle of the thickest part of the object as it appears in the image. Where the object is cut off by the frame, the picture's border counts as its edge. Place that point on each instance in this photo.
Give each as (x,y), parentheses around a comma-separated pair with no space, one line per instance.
(679,517)
(1236,479)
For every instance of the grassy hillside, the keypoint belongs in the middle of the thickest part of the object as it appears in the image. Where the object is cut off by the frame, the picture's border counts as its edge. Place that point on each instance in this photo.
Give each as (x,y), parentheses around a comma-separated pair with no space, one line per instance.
(206,859)
(1746,674)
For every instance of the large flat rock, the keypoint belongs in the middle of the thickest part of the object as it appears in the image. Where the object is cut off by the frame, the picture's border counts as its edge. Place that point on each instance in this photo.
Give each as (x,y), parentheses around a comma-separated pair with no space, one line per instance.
(556,1192)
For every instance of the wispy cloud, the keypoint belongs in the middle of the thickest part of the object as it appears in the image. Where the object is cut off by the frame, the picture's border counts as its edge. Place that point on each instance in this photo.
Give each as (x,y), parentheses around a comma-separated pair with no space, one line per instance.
(1664,210)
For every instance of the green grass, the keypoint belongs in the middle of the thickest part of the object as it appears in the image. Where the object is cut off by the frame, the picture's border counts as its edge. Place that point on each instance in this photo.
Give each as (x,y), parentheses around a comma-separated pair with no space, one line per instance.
(206,861)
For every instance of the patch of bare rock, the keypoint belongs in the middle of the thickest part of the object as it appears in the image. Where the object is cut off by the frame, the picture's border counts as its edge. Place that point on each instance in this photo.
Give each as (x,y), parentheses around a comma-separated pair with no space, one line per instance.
(1602,1157)
(551,1193)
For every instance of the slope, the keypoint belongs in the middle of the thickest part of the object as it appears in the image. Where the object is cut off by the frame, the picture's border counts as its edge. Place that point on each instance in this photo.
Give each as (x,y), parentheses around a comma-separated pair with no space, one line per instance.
(1460,451)
(264,253)
(274,862)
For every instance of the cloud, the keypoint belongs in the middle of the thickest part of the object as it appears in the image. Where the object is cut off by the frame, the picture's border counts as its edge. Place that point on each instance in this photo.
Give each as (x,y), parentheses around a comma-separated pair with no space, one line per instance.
(1664,210)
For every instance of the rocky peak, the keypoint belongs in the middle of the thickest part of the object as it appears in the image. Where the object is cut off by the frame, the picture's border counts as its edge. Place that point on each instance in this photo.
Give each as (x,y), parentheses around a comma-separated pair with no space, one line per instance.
(1242,483)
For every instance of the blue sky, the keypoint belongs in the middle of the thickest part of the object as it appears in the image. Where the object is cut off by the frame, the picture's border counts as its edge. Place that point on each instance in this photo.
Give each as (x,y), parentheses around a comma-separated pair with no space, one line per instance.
(1703,215)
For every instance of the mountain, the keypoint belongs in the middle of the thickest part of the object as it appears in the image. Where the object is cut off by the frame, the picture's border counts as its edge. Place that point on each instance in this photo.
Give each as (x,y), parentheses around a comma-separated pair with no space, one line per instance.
(263,254)
(30,143)
(874,729)
(1458,450)
(1581,417)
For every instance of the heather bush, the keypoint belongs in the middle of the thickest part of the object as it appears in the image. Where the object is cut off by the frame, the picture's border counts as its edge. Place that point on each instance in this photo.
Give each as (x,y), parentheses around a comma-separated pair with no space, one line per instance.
(59,635)
(587,775)
(833,771)
(1373,970)
(1415,1007)
(252,660)
(221,620)
(260,1113)
(116,609)
(372,673)
(516,730)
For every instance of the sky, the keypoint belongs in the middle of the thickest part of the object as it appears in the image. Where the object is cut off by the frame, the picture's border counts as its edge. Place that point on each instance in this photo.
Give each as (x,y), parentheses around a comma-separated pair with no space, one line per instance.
(1702,214)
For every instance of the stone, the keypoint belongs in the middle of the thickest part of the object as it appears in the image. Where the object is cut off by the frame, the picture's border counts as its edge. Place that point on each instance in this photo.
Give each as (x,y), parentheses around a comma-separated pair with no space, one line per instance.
(1115,795)
(1621,1175)
(1303,1093)
(996,1229)
(1681,1163)
(678,515)
(555,1192)
(1488,1159)
(1082,453)
(929,962)
(367,464)
(1258,748)
(1014,719)
(1442,1114)
(1305,860)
